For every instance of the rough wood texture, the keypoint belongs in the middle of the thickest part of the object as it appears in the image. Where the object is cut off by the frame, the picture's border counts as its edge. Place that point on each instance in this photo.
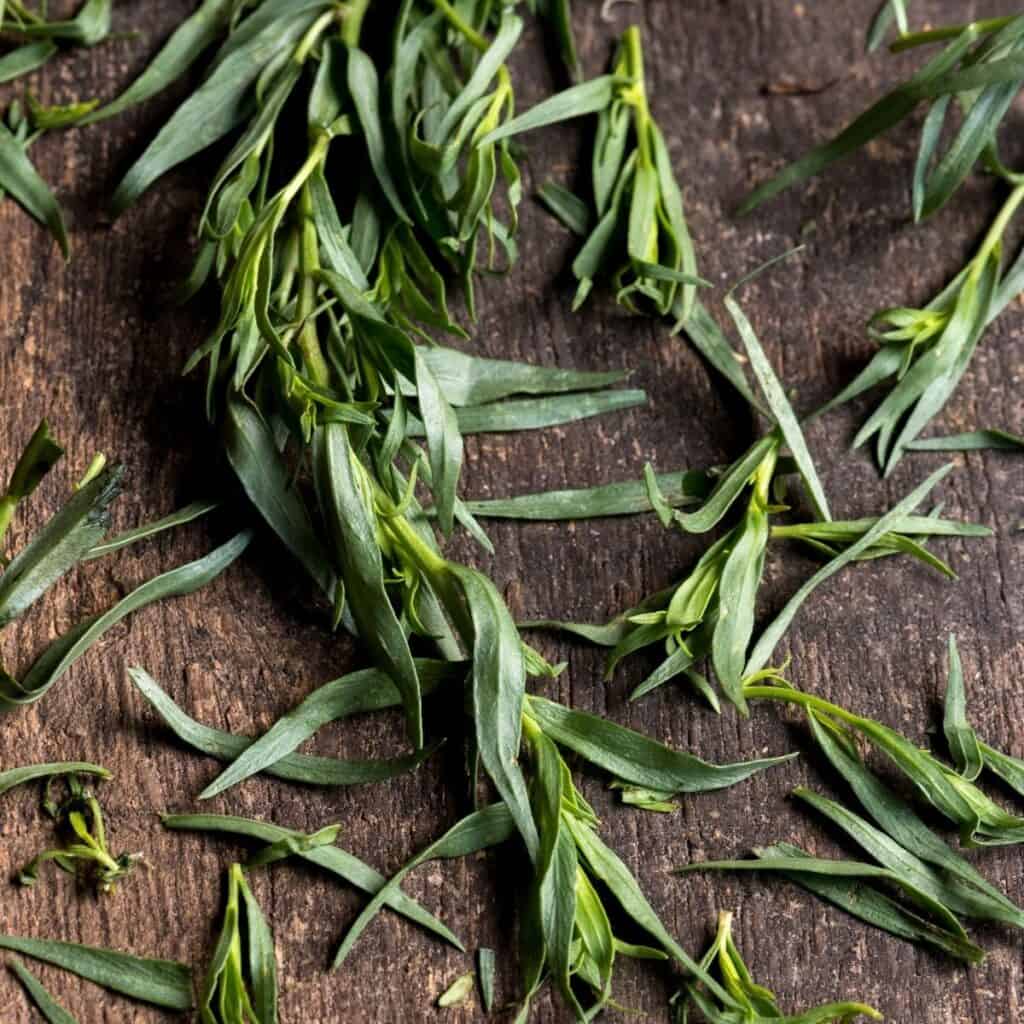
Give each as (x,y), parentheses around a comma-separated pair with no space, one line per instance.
(88,345)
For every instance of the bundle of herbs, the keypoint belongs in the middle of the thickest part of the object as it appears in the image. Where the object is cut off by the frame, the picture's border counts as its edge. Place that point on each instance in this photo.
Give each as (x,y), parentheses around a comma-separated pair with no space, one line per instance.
(324,366)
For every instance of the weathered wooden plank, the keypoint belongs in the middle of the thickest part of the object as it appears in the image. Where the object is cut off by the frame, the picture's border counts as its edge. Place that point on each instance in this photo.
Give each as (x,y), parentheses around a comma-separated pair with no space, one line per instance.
(89,346)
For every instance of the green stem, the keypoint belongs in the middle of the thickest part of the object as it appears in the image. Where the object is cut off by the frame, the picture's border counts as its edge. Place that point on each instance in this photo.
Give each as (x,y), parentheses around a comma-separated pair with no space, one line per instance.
(763,478)
(7,506)
(995,232)
(309,263)
(637,92)
(313,33)
(352,25)
(938,35)
(21,14)
(807,700)
(432,565)
(452,16)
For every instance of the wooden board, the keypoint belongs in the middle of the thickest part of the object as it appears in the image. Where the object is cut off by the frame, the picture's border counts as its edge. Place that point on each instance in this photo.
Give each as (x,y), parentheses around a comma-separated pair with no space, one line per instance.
(93,346)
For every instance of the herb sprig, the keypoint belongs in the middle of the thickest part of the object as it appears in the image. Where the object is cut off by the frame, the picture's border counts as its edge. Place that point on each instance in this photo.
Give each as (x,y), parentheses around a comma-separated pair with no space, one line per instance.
(83,852)
(241,982)
(923,353)
(711,613)
(980,821)
(759,1004)
(74,534)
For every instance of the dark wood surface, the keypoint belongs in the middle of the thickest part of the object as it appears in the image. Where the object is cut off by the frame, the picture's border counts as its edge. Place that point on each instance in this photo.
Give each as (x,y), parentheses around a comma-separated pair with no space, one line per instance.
(92,346)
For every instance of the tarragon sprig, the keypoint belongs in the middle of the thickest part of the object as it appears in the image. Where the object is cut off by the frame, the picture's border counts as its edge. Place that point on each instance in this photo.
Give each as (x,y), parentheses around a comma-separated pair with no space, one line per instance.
(925,352)
(711,612)
(323,355)
(636,234)
(74,534)
(83,852)
(980,820)
(40,38)
(241,981)
(759,1003)
(566,933)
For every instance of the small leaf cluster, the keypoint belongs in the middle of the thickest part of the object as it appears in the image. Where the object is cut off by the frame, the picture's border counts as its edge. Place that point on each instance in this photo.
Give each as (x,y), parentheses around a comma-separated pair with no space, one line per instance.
(759,1005)
(711,613)
(920,888)
(83,851)
(241,982)
(75,534)
(924,353)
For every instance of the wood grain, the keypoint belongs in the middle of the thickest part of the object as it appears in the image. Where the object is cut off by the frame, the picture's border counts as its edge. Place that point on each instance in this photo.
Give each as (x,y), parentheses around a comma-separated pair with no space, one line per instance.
(91,346)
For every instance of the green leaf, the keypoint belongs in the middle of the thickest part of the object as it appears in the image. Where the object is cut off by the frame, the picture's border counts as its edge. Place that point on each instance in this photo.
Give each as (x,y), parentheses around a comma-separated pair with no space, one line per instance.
(708,339)
(624,498)
(960,737)
(338,700)
(559,14)
(230,979)
(473,380)
(262,959)
(738,582)
(30,772)
(66,538)
(330,858)
(87,28)
(850,885)
(879,118)
(888,11)
(159,982)
(608,867)
(960,900)
(486,969)
(39,456)
(20,179)
(924,389)
(636,758)
(781,410)
(458,992)
(221,103)
(987,110)
(757,1000)
(66,650)
(898,819)
(364,90)
(355,692)
(293,846)
(729,487)
(487,827)
(351,523)
(254,457)
(444,443)
(176,56)
(25,58)
(46,1004)
(192,511)
(576,101)
(977,440)
(769,639)
(1009,769)
(981,821)
(572,211)
(537,413)
(499,690)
